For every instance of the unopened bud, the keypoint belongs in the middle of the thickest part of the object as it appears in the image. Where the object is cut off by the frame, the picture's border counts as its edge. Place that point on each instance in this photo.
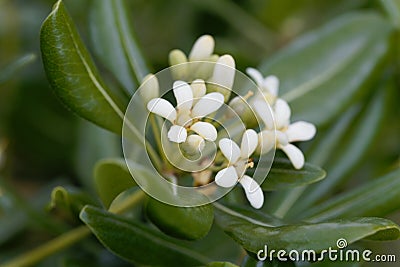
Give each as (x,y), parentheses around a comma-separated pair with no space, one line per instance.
(149,88)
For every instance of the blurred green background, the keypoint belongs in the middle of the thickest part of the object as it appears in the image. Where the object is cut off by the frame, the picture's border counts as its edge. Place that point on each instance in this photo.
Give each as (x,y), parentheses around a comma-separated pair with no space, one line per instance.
(42,143)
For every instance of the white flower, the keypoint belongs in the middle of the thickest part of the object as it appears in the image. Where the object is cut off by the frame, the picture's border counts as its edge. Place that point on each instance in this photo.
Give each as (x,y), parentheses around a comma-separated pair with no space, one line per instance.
(237,166)
(192,105)
(201,57)
(268,85)
(285,133)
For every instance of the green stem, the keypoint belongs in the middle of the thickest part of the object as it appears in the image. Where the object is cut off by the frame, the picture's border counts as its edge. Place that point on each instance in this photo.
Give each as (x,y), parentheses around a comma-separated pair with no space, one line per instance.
(67,239)
(59,243)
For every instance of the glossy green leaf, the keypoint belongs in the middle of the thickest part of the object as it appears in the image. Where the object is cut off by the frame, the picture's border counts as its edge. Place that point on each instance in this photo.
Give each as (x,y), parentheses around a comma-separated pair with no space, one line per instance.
(188,223)
(135,242)
(392,8)
(73,75)
(376,198)
(115,43)
(283,175)
(112,177)
(326,70)
(10,70)
(69,200)
(221,264)
(253,234)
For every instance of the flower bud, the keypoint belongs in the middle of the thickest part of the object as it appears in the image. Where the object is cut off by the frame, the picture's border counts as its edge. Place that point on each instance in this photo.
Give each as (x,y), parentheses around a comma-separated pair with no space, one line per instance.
(177,59)
(149,88)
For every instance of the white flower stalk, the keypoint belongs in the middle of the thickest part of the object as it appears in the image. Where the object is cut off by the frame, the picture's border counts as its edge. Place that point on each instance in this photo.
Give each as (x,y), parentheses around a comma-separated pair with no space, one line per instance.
(238,163)
(285,132)
(189,111)
(269,85)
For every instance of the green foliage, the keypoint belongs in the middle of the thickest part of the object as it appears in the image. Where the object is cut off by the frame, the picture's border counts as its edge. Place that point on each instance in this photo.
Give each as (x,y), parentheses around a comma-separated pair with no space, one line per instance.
(326,70)
(115,44)
(73,76)
(112,177)
(134,241)
(185,223)
(341,76)
(284,175)
(253,234)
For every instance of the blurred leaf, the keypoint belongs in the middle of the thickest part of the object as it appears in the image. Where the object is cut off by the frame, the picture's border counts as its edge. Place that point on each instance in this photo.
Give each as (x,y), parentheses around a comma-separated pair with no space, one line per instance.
(392,8)
(221,264)
(135,242)
(88,151)
(10,70)
(188,223)
(376,198)
(115,43)
(73,75)
(112,177)
(69,200)
(283,175)
(253,235)
(324,71)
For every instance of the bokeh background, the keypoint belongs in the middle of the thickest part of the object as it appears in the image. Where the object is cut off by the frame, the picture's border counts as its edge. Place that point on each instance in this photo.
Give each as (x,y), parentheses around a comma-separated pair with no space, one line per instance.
(42,144)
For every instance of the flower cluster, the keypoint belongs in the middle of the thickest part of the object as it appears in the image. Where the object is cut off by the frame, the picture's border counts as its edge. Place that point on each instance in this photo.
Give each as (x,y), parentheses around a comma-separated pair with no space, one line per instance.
(198,94)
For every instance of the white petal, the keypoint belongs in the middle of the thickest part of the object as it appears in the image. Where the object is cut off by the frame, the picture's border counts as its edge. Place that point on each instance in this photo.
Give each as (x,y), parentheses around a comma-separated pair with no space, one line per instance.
(272,84)
(226,177)
(198,88)
(224,72)
(282,114)
(230,149)
(266,141)
(249,143)
(162,108)
(300,131)
(253,191)
(177,134)
(264,113)
(184,95)
(207,104)
(205,130)
(294,154)
(256,76)
(202,48)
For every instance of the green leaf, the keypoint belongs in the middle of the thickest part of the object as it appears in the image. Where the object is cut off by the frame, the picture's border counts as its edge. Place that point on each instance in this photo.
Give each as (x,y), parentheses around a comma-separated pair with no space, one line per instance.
(115,43)
(69,200)
(73,75)
(221,264)
(324,71)
(376,198)
(188,223)
(135,242)
(392,8)
(253,234)
(10,70)
(283,175)
(112,177)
